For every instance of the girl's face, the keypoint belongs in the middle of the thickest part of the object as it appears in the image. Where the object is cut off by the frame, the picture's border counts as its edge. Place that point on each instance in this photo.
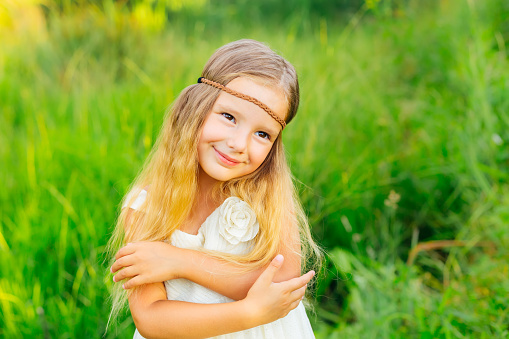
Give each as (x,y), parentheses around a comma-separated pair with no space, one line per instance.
(237,135)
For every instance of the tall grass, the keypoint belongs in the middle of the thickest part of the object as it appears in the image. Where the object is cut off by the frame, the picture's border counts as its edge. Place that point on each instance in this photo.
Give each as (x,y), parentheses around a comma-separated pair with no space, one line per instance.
(401,140)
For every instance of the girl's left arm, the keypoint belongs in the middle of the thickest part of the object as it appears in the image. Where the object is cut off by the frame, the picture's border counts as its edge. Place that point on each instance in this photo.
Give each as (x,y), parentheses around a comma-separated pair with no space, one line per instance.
(151,262)
(156,317)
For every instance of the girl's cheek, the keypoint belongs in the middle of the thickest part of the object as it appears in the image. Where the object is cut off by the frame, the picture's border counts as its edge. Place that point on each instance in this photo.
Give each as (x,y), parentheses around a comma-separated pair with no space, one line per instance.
(261,155)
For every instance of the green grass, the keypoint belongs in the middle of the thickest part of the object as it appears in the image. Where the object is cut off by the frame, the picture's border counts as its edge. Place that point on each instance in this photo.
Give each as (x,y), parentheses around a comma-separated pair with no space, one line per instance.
(401,97)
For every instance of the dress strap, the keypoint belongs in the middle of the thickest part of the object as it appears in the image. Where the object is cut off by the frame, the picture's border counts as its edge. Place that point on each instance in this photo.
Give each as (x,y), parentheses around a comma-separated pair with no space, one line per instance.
(136,204)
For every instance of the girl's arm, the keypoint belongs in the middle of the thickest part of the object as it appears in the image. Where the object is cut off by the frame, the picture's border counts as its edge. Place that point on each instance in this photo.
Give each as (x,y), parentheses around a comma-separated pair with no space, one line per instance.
(150,262)
(156,317)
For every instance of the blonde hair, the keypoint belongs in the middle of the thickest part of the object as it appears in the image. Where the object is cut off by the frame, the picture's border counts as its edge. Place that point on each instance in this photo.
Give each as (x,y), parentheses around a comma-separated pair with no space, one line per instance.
(172,177)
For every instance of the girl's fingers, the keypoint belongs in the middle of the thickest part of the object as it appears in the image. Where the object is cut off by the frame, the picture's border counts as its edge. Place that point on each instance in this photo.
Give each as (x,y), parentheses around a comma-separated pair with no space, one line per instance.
(267,276)
(297,295)
(136,281)
(127,272)
(120,263)
(126,250)
(296,283)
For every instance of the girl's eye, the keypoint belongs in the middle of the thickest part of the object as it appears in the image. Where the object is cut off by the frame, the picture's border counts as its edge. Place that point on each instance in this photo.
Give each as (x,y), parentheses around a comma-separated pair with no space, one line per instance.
(228,116)
(263,135)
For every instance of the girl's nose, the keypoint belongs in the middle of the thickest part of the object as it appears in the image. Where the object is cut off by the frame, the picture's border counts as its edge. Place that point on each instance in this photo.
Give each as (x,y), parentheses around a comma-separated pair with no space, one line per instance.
(238,141)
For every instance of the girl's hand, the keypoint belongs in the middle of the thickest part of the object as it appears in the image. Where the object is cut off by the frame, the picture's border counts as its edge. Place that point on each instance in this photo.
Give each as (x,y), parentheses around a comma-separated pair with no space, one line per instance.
(146,262)
(267,301)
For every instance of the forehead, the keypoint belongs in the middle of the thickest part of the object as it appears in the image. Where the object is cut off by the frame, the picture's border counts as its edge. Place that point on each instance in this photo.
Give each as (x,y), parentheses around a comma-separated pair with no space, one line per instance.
(271,96)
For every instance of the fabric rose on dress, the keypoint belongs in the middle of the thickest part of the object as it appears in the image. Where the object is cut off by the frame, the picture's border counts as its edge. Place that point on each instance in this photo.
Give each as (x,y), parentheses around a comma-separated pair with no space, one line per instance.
(237,221)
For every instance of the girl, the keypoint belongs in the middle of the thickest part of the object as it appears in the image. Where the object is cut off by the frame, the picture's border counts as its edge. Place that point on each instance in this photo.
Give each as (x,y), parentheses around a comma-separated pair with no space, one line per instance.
(213,207)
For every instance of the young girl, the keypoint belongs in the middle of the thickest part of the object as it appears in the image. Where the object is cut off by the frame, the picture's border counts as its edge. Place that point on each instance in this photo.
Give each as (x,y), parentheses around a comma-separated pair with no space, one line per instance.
(216,234)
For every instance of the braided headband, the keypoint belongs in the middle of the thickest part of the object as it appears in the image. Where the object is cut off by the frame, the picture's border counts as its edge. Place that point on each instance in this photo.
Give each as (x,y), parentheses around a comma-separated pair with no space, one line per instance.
(245,97)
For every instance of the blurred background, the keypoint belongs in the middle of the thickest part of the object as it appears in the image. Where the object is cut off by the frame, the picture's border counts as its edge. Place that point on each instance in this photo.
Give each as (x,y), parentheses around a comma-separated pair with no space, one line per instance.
(400,151)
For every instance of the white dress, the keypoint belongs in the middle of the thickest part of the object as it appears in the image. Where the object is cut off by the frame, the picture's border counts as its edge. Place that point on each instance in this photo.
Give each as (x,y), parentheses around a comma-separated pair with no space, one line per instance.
(230,229)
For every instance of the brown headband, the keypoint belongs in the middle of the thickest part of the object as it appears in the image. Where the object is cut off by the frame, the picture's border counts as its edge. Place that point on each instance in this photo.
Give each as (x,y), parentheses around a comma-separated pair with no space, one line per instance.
(245,97)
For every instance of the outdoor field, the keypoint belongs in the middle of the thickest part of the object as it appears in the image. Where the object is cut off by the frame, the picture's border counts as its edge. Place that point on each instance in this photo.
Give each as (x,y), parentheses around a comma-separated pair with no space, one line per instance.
(400,152)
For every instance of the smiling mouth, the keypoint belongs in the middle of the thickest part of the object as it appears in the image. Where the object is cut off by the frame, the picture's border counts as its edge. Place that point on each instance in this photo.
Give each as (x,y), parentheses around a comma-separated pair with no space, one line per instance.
(226,159)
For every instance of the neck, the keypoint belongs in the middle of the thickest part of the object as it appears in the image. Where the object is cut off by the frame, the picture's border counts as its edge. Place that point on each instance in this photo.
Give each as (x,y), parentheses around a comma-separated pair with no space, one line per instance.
(204,204)
(204,199)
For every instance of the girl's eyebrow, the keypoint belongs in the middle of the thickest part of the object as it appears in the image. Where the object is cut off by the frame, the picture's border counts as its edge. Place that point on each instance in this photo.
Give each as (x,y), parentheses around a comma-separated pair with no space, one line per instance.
(227,108)
(223,107)
(272,132)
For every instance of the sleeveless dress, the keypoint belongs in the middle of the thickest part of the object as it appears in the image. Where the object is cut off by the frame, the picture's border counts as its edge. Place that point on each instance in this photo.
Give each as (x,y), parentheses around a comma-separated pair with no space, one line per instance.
(231,228)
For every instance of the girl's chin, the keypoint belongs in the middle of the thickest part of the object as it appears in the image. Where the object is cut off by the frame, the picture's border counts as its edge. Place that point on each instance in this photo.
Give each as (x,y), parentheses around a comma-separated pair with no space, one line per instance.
(213,176)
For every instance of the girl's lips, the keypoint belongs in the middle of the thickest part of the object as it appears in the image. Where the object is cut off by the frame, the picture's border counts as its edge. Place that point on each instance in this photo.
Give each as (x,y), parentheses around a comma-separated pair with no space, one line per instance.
(226,159)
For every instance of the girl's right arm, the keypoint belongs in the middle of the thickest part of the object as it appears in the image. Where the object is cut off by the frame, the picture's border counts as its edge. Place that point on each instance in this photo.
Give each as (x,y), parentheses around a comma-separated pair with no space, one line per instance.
(150,262)
(157,317)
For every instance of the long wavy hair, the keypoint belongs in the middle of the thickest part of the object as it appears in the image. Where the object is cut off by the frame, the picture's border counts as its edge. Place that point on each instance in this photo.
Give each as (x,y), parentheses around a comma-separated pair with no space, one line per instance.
(171,169)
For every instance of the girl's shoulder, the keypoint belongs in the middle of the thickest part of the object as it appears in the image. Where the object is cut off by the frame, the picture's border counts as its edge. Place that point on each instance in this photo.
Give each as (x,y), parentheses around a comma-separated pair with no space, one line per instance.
(135,198)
